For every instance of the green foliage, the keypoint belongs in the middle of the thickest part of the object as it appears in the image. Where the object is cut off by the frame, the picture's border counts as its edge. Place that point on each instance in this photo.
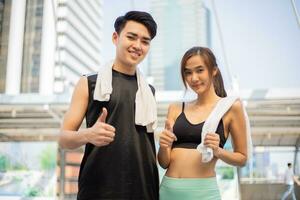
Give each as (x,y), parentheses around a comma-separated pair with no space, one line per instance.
(33,192)
(48,158)
(226,172)
(18,179)
(19,166)
(6,164)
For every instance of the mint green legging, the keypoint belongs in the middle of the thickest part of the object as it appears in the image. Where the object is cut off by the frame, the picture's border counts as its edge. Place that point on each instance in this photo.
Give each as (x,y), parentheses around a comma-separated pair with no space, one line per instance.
(189,189)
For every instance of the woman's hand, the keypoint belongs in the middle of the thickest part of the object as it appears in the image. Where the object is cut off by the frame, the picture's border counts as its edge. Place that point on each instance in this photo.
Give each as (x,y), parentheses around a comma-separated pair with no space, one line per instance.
(212,140)
(167,137)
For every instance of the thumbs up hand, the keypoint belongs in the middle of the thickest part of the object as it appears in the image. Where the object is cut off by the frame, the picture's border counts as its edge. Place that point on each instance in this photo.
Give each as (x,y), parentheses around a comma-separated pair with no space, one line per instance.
(103,116)
(101,133)
(167,137)
(169,125)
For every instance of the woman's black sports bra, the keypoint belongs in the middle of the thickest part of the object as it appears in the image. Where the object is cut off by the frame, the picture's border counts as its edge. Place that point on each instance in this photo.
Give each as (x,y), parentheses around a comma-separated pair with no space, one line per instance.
(189,135)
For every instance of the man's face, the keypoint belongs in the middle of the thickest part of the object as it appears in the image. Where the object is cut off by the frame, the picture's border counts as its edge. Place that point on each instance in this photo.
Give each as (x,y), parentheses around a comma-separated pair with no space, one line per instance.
(132,44)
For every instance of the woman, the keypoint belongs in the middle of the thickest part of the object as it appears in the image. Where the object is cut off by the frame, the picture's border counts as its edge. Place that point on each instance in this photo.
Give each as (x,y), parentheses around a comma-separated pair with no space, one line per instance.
(187,177)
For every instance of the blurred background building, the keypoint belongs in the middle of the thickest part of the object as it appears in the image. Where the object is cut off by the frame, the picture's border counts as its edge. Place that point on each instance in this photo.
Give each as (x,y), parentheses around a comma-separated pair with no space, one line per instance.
(181,25)
(46,45)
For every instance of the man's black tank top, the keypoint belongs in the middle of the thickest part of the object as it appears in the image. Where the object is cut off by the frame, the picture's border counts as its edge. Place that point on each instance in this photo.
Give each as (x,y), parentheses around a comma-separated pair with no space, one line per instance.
(126,168)
(189,135)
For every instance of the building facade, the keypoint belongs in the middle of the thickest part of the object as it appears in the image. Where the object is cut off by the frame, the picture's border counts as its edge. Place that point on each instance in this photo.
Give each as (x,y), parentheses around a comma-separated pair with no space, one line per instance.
(45,45)
(182,24)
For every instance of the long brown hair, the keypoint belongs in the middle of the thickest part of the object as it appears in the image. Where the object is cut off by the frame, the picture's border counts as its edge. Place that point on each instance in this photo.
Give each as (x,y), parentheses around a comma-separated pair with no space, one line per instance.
(211,63)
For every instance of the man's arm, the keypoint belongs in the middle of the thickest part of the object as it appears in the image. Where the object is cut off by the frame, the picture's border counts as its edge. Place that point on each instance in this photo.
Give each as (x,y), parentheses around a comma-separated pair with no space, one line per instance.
(296,179)
(100,134)
(70,137)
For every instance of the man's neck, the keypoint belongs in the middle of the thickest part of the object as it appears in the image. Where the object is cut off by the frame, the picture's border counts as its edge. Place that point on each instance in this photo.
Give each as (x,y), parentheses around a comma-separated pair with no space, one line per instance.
(123,68)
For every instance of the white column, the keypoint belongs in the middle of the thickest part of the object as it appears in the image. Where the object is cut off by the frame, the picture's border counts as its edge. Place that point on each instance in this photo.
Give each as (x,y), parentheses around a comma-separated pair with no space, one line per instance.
(48,49)
(15,47)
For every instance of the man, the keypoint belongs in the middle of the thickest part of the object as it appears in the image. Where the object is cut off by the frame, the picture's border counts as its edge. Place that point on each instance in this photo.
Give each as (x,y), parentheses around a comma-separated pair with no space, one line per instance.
(289,179)
(119,160)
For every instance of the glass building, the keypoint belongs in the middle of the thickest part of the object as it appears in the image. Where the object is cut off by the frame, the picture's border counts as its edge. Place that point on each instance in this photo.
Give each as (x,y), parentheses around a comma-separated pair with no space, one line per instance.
(30,75)
(5,7)
(182,24)
(46,45)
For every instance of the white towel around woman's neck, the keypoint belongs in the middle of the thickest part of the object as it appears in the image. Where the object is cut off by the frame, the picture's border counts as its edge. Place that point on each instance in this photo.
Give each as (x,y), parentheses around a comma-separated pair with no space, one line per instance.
(211,124)
(145,104)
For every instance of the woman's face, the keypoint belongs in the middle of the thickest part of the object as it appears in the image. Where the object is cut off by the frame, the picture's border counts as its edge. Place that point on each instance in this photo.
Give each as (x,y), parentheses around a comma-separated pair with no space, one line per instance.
(197,75)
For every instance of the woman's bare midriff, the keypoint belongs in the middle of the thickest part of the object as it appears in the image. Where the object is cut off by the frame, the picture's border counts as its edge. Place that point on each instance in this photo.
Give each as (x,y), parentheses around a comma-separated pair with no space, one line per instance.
(186,163)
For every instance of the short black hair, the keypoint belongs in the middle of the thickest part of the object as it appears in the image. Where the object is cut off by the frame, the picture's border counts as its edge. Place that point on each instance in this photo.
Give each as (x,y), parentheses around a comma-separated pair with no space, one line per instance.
(289,164)
(138,16)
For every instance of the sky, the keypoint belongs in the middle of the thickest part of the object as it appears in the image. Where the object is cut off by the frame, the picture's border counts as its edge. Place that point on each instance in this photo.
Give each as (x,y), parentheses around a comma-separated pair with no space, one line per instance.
(261,39)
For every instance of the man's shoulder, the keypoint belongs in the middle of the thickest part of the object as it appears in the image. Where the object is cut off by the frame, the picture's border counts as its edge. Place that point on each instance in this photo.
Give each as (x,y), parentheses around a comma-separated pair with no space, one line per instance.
(91,76)
(91,81)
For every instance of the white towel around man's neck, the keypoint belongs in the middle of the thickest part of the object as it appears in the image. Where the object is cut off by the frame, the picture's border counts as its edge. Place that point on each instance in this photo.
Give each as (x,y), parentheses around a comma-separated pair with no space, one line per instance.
(211,124)
(145,104)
